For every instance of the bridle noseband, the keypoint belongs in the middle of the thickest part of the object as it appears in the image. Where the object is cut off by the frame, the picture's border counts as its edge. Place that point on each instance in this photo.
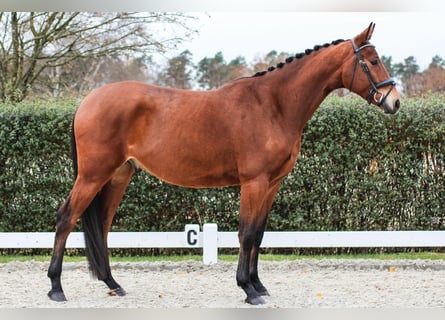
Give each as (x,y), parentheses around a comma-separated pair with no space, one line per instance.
(374,92)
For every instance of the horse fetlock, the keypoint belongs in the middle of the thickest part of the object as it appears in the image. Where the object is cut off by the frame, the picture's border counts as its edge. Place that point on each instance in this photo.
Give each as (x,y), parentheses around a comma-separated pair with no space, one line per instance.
(253,296)
(262,291)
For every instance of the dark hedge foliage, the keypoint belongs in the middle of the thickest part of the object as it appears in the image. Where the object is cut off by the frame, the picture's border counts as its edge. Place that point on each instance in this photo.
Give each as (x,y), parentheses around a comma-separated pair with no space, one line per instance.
(358,169)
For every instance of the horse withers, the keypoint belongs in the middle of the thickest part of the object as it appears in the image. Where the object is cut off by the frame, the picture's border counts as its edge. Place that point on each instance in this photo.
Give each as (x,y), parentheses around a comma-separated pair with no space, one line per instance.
(247,133)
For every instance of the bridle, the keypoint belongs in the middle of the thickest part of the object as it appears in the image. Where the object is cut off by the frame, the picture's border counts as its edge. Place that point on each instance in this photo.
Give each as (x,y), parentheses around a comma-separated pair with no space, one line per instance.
(374,92)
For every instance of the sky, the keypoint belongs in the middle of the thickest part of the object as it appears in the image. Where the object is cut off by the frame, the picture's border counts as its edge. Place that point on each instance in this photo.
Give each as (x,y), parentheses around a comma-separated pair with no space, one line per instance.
(251,34)
(250,28)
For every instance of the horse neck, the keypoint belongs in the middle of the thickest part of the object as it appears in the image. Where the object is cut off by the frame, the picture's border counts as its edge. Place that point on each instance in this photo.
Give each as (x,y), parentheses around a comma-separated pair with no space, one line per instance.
(302,85)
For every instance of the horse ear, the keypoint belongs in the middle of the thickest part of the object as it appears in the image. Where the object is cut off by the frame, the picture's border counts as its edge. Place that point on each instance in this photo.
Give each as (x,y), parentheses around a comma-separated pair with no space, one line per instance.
(370,31)
(366,35)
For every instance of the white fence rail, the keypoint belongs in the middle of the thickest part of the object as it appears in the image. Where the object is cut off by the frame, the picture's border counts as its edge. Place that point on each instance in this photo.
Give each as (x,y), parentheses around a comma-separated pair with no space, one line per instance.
(210,239)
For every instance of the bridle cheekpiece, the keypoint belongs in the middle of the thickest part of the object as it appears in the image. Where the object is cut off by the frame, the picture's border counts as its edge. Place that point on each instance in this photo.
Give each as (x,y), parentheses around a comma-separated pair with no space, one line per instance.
(374,92)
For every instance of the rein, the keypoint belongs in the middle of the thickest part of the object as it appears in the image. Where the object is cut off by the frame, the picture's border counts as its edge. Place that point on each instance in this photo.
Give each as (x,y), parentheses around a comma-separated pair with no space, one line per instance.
(374,92)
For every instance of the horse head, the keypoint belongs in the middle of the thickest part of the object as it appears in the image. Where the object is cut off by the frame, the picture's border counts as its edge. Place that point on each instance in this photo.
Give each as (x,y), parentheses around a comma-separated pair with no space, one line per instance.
(365,74)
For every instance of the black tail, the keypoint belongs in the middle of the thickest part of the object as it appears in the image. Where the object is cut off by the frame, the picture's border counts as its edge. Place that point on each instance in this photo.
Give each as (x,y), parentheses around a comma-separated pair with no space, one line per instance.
(74,149)
(95,247)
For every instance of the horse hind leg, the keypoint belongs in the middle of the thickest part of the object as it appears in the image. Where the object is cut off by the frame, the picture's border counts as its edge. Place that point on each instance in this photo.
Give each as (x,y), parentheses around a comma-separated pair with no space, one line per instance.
(95,203)
(111,196)
(67,216)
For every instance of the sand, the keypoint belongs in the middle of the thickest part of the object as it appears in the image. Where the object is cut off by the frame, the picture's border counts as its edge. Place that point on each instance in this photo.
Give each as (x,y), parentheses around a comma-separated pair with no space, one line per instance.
(326,283)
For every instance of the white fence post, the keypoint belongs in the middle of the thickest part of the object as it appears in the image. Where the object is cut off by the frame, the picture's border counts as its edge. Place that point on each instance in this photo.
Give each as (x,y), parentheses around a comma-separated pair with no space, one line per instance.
(210,243)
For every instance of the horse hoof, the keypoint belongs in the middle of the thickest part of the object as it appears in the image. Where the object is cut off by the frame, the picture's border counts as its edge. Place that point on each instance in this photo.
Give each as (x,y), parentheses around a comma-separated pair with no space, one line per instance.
(117,292)
(255,300)
(57,296)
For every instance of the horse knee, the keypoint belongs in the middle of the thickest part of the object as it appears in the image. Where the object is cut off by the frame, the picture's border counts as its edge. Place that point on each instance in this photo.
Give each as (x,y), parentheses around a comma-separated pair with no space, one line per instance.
(251,237)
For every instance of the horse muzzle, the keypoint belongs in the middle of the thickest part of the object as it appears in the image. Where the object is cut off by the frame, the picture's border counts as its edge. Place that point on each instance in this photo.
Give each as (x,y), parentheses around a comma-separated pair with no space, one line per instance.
(390,105)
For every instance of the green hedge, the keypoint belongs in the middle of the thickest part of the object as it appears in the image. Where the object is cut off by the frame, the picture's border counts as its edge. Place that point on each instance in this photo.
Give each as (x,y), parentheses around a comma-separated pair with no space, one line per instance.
(358,169)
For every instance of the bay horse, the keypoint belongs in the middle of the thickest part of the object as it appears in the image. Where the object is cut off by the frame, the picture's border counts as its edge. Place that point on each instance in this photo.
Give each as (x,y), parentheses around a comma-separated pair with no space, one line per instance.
(247,133)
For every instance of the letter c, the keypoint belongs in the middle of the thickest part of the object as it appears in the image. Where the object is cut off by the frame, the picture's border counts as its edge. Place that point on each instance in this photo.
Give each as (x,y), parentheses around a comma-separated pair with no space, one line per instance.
(192,239)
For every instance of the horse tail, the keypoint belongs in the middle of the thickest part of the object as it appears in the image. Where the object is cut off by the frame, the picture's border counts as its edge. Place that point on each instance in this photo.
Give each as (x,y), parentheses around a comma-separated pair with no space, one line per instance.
(95,247)
(74,149)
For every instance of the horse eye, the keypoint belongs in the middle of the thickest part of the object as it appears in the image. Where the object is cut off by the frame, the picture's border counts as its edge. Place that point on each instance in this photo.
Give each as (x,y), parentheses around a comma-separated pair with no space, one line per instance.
(374,62)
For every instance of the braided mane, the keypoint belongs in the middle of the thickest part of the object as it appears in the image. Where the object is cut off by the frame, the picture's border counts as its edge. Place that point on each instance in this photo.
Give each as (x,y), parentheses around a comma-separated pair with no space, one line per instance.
(297,56)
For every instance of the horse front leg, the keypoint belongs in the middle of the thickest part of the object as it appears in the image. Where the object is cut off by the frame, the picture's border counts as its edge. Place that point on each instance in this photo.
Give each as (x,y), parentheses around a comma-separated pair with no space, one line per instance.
(254,254)
(251,228)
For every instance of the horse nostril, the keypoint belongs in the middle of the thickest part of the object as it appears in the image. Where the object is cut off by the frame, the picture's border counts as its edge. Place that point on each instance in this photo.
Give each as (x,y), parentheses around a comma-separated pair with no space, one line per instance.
(397,105)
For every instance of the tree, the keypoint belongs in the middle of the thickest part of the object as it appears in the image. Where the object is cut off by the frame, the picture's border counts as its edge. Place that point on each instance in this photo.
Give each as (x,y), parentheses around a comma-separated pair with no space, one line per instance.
(211,71)
(406,72)
(437,62)
(214,72)
(415,82)
(178,72)
(82,75)
(432,79)
(269,60)
(31,43)
(387,62)
(237,68)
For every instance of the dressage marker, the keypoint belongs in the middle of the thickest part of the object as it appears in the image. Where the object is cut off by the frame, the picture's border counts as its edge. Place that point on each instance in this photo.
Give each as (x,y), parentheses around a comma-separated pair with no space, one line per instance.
(247,133)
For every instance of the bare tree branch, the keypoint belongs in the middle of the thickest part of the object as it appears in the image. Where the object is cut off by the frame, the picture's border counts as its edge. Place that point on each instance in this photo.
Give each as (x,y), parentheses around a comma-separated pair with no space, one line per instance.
(31,43)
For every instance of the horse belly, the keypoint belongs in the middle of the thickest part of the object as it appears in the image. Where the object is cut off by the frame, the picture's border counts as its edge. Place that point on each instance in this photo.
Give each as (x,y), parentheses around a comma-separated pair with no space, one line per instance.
(190,174)
(195,166)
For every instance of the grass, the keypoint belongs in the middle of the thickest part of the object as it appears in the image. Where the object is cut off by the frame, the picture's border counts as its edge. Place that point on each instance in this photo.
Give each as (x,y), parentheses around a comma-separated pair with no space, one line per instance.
(234,258)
